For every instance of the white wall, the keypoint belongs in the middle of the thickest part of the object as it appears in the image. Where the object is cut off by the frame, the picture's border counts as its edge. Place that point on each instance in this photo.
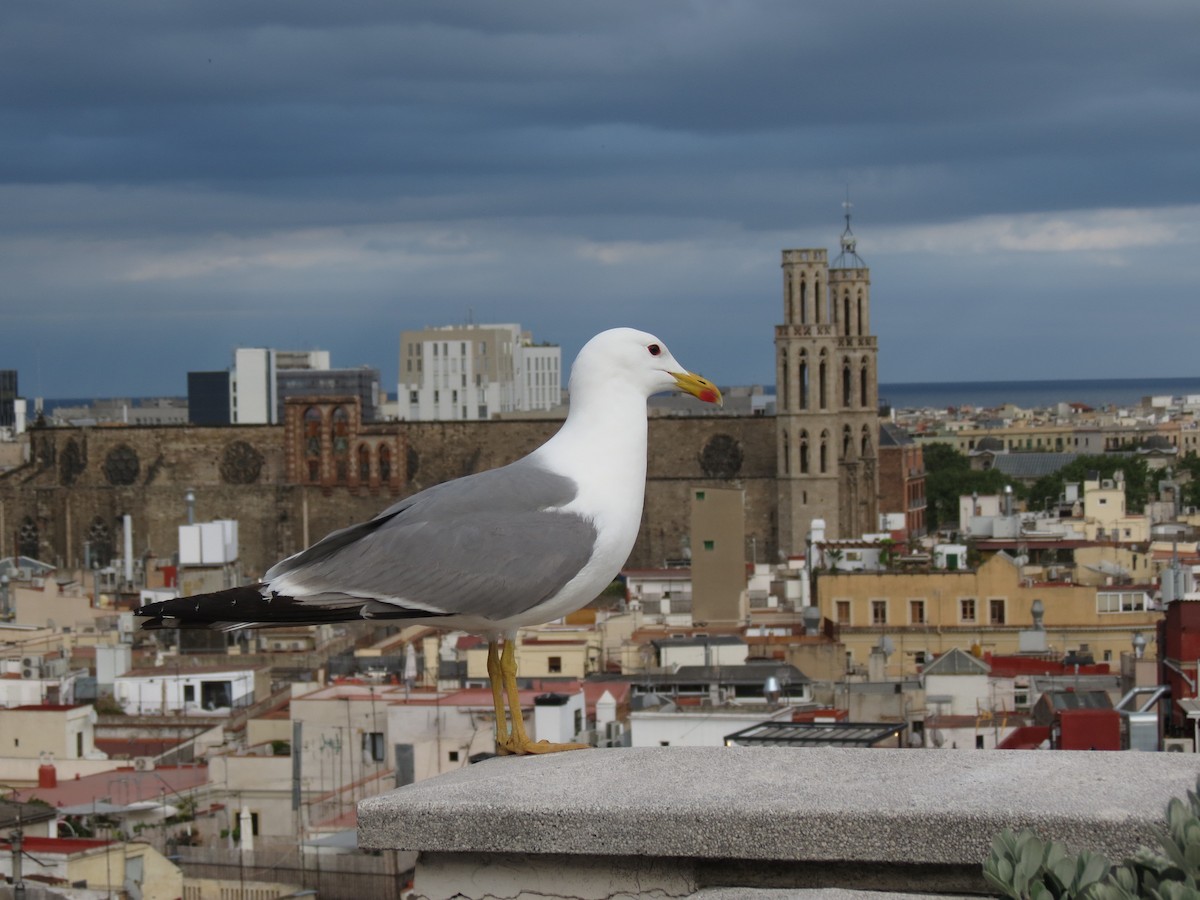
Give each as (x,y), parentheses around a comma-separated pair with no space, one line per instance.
(968,693)
(557,724)
(695,728)
(159,694)
(695,655)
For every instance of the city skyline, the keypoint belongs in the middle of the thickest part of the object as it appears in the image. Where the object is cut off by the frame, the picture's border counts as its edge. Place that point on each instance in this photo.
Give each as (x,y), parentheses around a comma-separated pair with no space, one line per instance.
(183,181)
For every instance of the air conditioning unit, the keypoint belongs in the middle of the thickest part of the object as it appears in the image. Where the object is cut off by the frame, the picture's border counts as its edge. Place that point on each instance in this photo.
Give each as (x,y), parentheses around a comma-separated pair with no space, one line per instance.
(143,763)
(1178,745)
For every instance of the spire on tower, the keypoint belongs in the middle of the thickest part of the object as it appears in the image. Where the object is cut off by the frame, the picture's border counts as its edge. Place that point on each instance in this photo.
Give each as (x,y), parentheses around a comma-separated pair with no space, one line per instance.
(848,258)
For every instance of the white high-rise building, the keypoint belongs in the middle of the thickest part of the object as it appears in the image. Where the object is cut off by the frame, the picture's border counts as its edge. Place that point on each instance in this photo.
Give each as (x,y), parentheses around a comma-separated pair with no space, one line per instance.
(462,372)
(253,387)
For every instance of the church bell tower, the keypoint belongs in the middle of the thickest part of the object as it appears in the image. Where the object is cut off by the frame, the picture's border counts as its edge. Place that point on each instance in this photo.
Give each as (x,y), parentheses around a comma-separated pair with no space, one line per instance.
(827,396)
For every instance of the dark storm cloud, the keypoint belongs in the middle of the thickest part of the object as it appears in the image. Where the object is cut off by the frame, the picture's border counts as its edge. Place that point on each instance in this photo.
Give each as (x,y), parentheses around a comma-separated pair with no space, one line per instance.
(312,173)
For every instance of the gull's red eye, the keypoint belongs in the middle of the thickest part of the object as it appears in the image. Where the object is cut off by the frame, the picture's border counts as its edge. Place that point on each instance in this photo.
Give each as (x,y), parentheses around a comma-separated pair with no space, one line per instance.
(654,349)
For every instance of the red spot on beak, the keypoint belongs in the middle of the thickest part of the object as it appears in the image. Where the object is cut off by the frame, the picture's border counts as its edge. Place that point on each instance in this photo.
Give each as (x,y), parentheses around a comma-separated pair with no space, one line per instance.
(708,396)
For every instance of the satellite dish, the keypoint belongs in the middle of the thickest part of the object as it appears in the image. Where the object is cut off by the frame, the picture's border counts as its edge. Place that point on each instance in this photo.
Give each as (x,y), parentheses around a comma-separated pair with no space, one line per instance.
(885,646)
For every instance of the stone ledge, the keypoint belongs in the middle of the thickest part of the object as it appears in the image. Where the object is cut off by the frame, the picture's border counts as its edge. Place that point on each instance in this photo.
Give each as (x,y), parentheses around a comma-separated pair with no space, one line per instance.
(704,812)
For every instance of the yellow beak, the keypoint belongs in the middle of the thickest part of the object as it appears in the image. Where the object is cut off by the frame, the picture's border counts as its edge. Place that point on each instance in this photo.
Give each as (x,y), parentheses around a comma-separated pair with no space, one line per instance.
(702,388)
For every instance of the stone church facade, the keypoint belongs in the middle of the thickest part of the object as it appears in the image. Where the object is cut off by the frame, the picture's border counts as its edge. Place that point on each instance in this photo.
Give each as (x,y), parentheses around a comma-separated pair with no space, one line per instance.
(325,468)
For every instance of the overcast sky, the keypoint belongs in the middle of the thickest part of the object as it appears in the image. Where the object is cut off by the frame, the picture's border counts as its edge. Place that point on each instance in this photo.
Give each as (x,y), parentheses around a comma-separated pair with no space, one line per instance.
(181,178)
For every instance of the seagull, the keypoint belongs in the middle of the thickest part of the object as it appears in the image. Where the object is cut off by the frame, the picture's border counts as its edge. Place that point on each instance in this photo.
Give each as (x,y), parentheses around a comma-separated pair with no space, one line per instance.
(492,552)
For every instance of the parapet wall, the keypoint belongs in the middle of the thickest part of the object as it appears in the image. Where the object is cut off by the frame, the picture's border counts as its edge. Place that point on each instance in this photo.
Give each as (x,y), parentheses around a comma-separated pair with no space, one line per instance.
(676,821)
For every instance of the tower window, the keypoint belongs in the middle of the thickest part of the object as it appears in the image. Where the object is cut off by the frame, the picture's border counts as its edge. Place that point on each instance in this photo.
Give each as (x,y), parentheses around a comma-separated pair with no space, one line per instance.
(783,379)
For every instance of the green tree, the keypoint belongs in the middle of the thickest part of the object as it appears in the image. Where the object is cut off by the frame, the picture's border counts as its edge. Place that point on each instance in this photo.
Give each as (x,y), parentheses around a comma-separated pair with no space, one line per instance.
(1188,471)
(948,476)
(1140,482)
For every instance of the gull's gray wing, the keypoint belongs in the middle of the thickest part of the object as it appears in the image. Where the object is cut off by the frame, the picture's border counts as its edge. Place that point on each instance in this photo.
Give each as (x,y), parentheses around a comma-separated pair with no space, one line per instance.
(492,544)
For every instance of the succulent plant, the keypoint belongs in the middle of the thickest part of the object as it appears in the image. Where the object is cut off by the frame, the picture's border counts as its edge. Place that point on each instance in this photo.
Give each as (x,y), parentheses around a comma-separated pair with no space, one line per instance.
(1023,867)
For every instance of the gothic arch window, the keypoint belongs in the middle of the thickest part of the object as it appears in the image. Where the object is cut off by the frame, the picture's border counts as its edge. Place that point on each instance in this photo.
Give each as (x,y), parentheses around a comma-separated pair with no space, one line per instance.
(847,394)
(783,378)
(27,538)
(824,461)
(803,452)
(866,442)
(364,463)
(99,540)
(861,324)
(791,300)
(312,443)
(802,377)
(785,452)
(817,299)
(70,463)
(847,443)
(339,433)
(821,379)
(803,300)
(385,464)
(862,385)
(846,312)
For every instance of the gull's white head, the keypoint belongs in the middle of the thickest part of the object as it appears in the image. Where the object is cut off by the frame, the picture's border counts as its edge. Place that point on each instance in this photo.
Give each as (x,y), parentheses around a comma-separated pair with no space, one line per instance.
(626,356)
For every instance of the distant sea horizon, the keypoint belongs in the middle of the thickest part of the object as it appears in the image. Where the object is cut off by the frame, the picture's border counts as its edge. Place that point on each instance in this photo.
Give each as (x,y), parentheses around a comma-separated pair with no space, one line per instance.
(1095,392)
(1027,394)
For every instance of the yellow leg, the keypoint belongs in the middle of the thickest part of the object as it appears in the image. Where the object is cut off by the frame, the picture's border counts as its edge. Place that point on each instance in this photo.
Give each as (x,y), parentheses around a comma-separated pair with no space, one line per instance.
(519,742)
(495,676)
(508,668)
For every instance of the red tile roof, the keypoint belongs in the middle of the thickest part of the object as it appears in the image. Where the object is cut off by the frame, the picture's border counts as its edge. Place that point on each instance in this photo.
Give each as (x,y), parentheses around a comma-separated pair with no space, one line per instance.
(64,846)
(127,748)
(124,786)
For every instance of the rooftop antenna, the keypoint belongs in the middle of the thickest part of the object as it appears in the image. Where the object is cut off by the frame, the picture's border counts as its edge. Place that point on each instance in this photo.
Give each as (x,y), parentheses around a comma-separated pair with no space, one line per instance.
(848,258)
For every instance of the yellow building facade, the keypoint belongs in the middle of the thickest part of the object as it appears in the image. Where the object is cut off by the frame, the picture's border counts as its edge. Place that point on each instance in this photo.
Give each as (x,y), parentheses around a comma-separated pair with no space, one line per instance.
(927,613)
(545,653)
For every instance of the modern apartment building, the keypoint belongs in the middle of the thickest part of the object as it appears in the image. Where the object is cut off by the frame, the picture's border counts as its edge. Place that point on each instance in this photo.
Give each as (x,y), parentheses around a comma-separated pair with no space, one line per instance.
(8,398)
(253,392)
(473,371)
(253,384)
(362,383)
